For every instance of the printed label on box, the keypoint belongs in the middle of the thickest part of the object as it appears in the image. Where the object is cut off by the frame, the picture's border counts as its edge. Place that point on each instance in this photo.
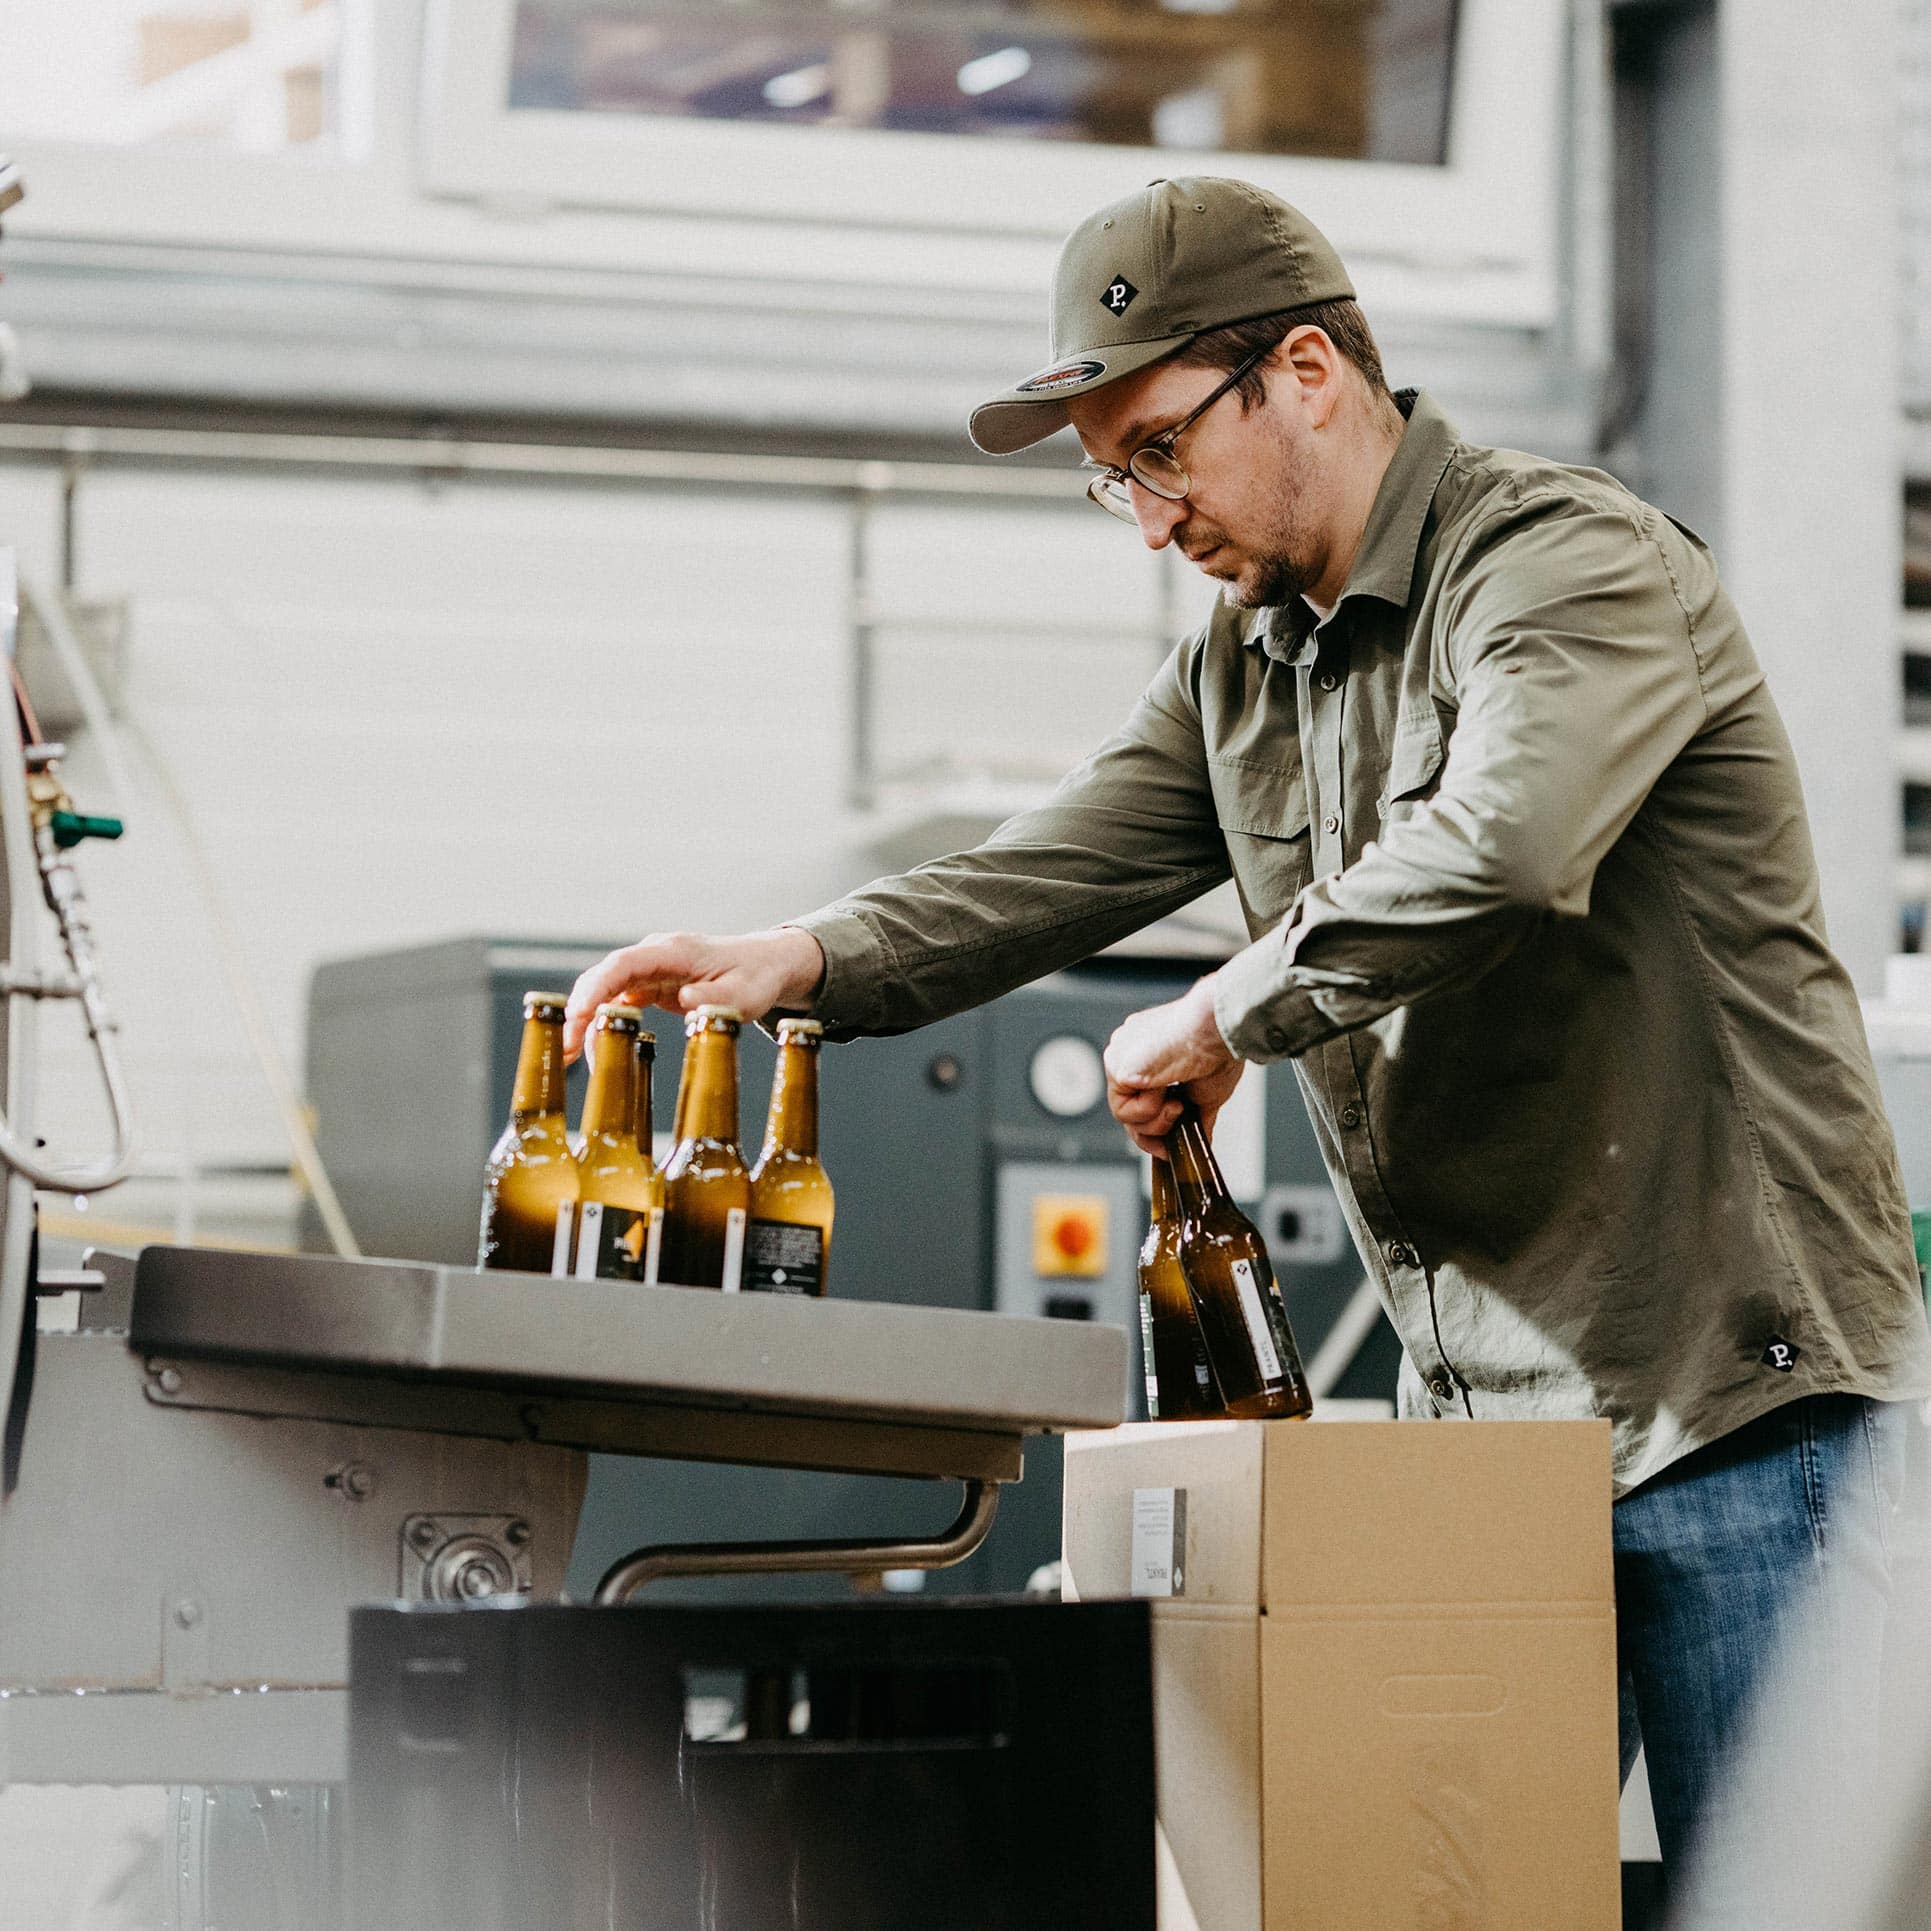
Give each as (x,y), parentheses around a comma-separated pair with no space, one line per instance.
(1159,1542)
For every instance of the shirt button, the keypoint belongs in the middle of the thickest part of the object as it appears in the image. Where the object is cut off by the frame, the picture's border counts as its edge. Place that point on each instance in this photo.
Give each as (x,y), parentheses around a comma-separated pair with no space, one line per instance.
(1441,1387)
(1331,822)
(1276,1040)
(1401,1254)
(1350,1116)
(1327,680)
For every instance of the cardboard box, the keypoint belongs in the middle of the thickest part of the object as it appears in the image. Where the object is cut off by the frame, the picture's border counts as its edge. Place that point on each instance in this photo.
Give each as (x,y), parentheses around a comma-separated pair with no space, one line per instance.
(1385,1676)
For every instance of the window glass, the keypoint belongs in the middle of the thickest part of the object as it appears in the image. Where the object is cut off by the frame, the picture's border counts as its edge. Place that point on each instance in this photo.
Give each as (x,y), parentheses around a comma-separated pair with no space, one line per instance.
(1349,79)
(258,76)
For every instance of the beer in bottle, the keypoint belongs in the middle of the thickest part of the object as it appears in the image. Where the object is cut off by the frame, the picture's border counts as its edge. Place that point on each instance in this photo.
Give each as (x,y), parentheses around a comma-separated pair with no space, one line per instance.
(619,1193)
(530,1185)
(645,1053)
(1242,1317)
(707,1192)
(1180,1383)
(788,1242)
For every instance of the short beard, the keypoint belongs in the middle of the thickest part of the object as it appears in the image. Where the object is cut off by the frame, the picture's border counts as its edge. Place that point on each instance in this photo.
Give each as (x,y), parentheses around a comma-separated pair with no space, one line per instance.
(1268,580)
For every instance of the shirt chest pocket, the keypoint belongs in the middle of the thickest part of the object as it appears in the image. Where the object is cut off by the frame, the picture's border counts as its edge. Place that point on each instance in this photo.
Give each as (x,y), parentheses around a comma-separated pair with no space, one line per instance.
(1414,769)
(1262,811)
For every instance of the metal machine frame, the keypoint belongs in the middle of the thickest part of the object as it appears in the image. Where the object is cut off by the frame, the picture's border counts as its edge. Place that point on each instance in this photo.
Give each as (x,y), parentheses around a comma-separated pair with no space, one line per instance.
(233,1450)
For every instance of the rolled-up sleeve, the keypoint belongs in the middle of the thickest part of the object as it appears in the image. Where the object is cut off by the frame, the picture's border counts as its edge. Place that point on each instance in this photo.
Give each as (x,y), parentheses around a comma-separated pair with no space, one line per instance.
(1576,683)
(1127,837)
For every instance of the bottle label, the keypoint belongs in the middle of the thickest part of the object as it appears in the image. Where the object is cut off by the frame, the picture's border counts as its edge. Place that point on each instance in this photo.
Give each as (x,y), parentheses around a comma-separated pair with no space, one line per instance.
(566,1227)
(654,1247)
(781,1257)
(733,1250)
(1254,1312)
(1146,1355)
(612,1242)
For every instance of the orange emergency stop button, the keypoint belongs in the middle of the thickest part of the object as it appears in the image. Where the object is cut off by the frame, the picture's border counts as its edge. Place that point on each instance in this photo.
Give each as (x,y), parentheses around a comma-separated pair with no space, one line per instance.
(1069,1234)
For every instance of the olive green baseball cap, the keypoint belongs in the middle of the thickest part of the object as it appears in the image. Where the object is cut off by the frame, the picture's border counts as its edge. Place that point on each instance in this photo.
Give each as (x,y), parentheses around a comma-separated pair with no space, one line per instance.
(1143,276)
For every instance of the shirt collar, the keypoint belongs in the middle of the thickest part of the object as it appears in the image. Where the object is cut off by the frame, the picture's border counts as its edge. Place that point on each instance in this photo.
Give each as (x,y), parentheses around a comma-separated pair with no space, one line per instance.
(1384,565)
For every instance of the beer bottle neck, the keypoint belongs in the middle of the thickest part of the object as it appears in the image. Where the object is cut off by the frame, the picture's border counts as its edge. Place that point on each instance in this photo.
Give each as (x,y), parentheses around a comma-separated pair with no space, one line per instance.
(707,1095)
(610,1106)
(1166,1194)
(1195,1167)
(539,1070)
(643,1066)
(792,1126)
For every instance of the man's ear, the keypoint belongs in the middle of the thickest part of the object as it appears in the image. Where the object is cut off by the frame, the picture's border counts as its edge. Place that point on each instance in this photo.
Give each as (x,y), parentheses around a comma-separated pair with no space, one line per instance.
(1313,363)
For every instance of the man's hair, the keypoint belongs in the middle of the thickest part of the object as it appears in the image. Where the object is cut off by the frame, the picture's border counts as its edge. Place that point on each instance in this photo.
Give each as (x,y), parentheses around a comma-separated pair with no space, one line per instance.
(1341,322)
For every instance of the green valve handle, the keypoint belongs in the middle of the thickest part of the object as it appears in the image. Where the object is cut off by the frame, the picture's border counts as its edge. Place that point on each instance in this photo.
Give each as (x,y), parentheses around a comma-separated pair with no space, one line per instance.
(70,827)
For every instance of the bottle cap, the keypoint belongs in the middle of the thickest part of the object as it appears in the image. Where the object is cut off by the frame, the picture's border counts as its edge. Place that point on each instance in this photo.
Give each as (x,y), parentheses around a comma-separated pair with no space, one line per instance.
(812,1031)
(544,1005)
(713,1018)
(620,1019)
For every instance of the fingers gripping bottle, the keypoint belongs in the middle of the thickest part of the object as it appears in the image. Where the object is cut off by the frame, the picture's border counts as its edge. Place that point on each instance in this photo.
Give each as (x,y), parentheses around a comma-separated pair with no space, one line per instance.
(1242,1316)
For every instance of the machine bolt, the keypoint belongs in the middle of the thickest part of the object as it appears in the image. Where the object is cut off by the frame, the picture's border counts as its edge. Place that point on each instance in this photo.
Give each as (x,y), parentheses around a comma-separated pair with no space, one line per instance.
(169,1381)
(423,1533)
(517,1534)
(356,1480)
(475,1581)
(187,1613)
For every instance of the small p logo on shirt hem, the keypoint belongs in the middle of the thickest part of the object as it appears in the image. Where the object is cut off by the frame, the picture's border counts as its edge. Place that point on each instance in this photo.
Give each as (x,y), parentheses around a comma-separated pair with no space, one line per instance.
(1780,1354)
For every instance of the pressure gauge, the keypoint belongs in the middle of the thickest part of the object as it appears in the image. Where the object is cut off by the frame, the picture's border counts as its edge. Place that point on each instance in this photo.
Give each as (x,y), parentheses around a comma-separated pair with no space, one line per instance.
(1067,1076)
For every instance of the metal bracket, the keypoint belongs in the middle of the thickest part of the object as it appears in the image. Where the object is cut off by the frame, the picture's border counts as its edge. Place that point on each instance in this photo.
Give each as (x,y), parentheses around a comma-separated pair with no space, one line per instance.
(625,1578)
(464,1558)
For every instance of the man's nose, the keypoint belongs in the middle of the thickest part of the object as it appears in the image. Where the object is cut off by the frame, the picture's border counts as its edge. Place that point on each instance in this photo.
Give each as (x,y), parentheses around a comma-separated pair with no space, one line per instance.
(1157,516)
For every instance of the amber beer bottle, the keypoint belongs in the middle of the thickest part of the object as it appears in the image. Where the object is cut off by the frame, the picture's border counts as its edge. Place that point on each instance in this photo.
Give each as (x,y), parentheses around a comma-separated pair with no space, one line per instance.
(619,1193)
(788,1243)
(1242,1317)
(1180,1382)
(707,1192)
(530,1185)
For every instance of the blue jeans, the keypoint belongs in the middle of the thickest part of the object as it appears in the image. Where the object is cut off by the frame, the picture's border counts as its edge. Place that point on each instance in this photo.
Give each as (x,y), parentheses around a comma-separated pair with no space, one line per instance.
(1756,1569)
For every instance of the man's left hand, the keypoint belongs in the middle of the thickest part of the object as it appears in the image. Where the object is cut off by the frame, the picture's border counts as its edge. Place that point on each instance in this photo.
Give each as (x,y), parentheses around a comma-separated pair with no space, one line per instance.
(1152,1052)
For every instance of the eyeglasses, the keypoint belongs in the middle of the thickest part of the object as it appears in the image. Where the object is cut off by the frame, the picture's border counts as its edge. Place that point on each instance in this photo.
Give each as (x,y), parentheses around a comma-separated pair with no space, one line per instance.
(1153,465)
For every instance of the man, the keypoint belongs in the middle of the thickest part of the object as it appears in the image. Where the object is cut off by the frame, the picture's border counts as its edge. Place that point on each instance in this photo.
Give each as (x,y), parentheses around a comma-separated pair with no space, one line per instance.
(1519,841)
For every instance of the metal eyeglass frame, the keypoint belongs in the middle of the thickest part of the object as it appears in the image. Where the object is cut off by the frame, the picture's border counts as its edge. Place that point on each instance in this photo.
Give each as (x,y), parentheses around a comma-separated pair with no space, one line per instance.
(1108,488)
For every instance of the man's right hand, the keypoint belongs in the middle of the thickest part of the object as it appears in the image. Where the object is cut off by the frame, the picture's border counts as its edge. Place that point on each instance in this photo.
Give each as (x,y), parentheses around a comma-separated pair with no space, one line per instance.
(753,972)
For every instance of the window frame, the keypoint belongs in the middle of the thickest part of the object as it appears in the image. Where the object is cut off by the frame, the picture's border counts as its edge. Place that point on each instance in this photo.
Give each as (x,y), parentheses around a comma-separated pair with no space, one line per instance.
(1475,240)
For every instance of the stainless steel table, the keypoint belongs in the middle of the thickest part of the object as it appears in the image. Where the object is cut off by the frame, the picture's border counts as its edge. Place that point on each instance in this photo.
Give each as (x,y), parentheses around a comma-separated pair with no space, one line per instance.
(238,1448)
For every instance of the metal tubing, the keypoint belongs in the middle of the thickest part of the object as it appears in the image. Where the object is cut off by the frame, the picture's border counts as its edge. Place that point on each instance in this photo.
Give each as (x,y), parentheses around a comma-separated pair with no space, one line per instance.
(20,881)
(625,1578)
(33,860)
(447,457)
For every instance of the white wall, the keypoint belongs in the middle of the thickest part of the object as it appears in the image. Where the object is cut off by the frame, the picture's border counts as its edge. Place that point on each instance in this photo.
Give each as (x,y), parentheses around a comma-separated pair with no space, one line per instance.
(401,712)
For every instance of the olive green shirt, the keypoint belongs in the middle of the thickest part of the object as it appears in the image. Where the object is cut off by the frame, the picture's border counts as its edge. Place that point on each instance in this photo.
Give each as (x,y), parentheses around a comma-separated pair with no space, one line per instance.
(1520,844)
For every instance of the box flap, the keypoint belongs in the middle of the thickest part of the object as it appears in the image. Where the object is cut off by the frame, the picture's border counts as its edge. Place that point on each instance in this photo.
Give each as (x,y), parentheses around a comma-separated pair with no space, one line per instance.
(1218,1463)
(1387,1513)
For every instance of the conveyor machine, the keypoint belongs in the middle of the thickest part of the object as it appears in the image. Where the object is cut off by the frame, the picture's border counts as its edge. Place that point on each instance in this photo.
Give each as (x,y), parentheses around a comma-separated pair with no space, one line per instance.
(232,1451)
